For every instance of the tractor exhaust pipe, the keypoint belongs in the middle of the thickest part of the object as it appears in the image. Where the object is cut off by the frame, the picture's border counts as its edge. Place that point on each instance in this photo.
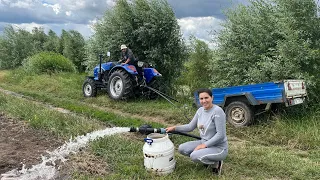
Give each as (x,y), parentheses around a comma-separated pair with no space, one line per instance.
(100,70)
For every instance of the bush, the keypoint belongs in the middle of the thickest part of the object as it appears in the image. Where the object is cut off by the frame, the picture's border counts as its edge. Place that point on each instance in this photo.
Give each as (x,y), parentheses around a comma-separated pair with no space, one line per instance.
(48,62)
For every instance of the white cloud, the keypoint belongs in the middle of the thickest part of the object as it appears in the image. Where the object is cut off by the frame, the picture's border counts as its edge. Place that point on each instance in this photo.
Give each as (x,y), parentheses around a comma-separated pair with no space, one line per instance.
(68,13)
(27,4)
(73,5)
(111,3)
(84,29)
(56,7)
(200,27)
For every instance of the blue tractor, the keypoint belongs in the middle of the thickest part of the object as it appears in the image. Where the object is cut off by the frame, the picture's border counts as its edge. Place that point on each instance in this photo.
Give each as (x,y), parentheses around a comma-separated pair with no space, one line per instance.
(122,81)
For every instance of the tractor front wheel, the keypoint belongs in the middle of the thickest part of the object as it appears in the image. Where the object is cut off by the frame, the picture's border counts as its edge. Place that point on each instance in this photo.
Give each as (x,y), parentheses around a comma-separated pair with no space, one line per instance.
(89,88)
(120,85)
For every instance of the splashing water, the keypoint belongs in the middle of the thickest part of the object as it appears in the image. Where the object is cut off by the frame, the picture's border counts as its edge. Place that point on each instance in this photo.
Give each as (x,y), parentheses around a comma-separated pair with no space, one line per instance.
(46,169)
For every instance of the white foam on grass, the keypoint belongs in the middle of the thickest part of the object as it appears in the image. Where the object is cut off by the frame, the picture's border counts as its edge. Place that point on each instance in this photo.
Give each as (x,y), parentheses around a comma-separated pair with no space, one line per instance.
(46,170)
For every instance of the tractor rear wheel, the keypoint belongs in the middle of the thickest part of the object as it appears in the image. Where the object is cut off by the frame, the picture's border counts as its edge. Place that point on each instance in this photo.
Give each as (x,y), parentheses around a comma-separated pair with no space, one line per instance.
(120,85)
(89,88)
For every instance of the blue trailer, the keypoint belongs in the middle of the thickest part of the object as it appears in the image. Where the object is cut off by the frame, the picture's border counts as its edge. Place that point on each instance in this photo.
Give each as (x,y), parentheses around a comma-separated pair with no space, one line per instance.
(242,103)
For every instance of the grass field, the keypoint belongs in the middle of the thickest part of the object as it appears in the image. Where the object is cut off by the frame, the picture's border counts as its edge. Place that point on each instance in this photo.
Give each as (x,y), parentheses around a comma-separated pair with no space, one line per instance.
(284,146)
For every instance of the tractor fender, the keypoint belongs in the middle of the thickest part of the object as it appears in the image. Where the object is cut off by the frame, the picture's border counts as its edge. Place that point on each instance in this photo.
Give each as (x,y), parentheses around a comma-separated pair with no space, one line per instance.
(128,68)
(104,67)
(150,73)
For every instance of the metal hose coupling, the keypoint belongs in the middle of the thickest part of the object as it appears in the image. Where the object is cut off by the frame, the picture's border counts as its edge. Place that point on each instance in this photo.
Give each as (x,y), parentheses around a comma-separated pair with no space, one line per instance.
(147,130)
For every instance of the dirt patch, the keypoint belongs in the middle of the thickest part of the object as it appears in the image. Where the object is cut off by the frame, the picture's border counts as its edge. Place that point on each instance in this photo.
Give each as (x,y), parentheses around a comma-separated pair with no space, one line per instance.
(21,144)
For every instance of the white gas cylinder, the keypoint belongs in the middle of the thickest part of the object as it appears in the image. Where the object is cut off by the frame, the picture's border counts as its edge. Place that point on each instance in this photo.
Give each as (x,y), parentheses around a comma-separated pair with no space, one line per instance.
(158,154)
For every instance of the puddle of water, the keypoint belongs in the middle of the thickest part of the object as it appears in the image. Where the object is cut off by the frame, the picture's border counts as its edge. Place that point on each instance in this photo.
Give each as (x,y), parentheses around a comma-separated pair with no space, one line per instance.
(47,169)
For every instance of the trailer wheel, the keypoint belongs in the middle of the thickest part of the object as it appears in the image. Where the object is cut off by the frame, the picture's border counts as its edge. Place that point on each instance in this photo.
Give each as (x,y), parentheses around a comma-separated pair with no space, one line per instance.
(89,88)
(239,114)
(120,85)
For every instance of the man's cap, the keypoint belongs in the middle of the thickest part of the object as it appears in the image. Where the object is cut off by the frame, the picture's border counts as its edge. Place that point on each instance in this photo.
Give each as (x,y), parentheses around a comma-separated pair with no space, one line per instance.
(123,46)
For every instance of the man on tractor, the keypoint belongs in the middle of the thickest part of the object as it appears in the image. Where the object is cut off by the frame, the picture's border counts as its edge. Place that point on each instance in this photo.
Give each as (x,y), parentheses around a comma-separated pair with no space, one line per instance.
(127,57)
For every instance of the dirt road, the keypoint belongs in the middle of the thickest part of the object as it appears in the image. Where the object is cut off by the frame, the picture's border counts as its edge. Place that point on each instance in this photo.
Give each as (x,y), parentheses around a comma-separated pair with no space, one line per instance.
(20,144)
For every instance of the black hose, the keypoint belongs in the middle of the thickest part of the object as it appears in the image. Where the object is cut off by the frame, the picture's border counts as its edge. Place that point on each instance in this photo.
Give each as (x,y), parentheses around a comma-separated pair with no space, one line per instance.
(147,129)
(185,134)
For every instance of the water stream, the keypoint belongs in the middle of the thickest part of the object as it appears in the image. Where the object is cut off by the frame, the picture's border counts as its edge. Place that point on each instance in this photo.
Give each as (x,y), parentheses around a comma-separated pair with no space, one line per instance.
(47,169)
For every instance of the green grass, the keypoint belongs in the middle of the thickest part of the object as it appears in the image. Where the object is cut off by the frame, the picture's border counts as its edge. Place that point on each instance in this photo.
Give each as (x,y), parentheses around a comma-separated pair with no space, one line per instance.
(294,132)
(68,86)
(41,117)
(245,161)
(65,90)
(285,147)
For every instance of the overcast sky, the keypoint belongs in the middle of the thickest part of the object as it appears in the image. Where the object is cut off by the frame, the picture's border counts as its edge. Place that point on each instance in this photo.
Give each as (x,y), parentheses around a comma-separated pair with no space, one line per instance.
(195,17)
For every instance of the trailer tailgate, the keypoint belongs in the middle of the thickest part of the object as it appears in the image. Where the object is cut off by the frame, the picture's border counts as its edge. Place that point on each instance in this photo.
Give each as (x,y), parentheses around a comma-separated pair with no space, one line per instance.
(295,91)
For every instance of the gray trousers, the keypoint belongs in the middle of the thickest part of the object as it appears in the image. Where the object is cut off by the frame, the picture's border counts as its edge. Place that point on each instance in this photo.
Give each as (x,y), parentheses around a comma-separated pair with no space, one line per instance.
(209,155)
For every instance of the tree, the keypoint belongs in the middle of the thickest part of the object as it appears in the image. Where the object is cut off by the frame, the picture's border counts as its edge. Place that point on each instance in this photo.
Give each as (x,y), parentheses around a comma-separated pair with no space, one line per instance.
(39,38)
(14,47)
(149,28)
(269,40)
(73,48)
(17,45)
(52,43)
(197,73)
(63,37)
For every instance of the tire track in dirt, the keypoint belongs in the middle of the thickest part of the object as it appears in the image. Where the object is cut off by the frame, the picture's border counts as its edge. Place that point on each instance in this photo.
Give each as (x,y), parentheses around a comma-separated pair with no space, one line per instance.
(66,111)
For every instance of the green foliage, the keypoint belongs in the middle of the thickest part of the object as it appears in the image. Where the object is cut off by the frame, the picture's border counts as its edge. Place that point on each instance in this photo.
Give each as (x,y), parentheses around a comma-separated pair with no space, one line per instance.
(270,40)
(73,48)
(149,28)
(52,43)
(17,45)
(14,47)
(48,62)
(197,73)
(38,39)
